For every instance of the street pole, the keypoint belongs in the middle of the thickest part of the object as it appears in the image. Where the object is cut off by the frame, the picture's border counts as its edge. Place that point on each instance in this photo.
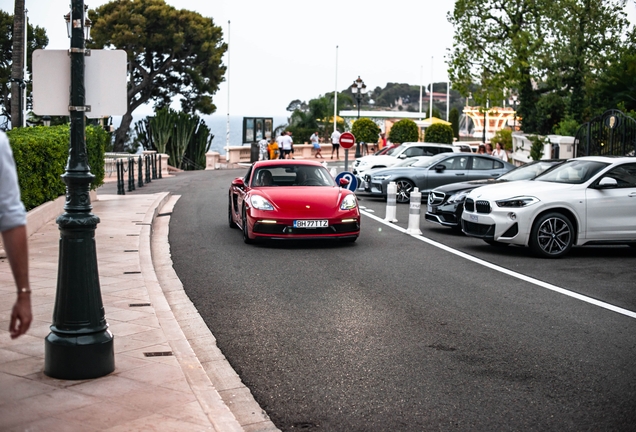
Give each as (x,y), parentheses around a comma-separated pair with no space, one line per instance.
(80,346)
(358,98)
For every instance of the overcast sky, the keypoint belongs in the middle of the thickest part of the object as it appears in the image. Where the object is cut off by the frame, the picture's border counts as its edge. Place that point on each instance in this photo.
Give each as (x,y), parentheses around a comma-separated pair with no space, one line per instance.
(281,50)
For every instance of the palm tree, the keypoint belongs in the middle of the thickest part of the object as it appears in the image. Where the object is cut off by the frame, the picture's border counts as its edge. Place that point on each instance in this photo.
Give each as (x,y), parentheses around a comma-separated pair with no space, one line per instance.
(17,66)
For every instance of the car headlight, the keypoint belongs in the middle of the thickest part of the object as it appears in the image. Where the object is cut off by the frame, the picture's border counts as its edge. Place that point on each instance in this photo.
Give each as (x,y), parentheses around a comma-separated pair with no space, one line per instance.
(348,203)
(458,197)
(260,203)
(522,201)
(363,163)
(381,177)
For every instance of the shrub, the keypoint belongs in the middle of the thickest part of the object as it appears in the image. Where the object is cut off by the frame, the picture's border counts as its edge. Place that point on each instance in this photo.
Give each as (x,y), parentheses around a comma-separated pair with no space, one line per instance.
(41,154)
(365,130)
(439,133)
(536,149)
(567,127)
(503,136)
(403,131)
(453,117)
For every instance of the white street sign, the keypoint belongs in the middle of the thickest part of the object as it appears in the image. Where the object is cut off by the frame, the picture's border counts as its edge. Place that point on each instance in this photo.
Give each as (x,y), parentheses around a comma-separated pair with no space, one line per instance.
(105,78)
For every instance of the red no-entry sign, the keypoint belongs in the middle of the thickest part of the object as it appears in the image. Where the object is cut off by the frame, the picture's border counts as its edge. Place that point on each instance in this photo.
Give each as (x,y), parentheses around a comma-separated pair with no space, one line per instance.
(347,140)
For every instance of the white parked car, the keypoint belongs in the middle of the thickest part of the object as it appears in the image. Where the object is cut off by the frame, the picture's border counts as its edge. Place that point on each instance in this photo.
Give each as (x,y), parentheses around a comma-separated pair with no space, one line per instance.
(406,150)
(588,200)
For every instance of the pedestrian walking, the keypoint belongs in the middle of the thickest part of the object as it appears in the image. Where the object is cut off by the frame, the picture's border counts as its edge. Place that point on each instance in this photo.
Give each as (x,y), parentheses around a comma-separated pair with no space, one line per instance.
(262,149)
(14,238)
(315,142)
(273,149)
(335,143)
(287,145)
(279,141)
(500,153)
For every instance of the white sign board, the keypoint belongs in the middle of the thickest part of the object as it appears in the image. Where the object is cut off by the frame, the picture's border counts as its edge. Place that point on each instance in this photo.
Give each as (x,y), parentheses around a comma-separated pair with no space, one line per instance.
(105,79)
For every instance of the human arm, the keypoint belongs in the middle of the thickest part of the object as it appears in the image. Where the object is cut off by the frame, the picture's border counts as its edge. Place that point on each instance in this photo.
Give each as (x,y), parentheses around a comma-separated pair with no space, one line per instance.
(15,245)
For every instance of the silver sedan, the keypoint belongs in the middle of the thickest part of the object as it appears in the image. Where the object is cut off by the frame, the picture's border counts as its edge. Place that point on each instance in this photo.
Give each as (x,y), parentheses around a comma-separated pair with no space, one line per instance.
(433,172)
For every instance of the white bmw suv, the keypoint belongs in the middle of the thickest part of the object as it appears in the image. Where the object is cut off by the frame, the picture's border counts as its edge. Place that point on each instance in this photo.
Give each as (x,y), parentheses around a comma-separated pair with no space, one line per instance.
(587,200)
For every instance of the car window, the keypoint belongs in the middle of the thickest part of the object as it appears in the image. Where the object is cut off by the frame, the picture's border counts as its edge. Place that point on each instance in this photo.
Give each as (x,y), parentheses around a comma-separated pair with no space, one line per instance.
(292,175)
(394,151)
(625,175)
(455,163)
(573,171)
(416,151)
(427,162)
(528,171)
(481,163)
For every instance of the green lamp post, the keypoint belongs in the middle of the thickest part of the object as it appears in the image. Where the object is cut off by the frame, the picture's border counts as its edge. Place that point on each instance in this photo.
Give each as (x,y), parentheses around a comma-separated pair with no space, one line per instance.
(80,346)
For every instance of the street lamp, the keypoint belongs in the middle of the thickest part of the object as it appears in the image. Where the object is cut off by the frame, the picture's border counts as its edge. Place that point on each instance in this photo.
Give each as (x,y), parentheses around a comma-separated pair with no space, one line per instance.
(358,88)
(513,102)
(80,346)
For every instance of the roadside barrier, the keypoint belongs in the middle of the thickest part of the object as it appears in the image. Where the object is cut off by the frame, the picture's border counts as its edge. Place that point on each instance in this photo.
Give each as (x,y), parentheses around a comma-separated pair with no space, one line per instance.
(148,166)
(414,213)
(391,203)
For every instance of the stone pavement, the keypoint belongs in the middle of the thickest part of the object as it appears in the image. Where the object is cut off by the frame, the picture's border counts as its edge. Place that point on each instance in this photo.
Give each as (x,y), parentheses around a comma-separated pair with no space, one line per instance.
(192,388)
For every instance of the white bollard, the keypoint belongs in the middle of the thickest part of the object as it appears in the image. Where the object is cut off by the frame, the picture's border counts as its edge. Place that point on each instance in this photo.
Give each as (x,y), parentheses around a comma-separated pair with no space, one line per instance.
(414,213)
(391,202)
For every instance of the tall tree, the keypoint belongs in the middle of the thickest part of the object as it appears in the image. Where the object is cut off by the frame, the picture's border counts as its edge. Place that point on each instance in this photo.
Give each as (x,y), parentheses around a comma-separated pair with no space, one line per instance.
(583,43)
(495,45)
(171,53)
(36,39)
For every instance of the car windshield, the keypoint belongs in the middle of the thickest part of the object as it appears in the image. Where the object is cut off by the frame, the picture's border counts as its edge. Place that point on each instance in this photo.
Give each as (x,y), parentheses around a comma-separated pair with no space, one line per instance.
(393,151)
(408,161)
(292,175)
(427,162)
(527,171)
(573,171)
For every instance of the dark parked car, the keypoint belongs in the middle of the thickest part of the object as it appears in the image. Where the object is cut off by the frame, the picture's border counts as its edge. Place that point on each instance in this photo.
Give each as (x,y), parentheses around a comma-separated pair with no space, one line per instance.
(438,170)
(446,203)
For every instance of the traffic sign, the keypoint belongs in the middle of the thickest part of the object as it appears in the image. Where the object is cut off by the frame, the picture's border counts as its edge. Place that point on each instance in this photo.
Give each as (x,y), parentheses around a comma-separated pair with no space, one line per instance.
(347,140)
(353,181)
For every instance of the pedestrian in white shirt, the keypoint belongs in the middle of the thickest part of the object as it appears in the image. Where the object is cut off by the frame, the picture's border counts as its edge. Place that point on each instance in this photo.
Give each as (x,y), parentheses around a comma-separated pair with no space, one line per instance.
(335,144)
(500,153)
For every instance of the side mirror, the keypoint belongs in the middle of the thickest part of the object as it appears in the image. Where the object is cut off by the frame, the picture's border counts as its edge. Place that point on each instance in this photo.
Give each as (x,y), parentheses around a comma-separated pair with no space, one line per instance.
(607,183)
(402,156)
(343,182)
(440,167)
(238,182)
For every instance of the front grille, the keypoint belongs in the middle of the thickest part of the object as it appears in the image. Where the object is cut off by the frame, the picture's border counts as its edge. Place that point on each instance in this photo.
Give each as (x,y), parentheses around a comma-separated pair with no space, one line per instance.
(478,230)
(469,205)
(436,198)
(482,207)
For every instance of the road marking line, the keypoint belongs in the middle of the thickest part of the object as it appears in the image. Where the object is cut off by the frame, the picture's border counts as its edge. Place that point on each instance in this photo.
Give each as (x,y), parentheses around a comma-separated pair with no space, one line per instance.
(514,274)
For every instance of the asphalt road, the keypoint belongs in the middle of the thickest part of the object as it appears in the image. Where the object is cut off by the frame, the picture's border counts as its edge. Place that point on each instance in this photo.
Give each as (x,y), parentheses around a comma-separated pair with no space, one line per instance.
(394,333)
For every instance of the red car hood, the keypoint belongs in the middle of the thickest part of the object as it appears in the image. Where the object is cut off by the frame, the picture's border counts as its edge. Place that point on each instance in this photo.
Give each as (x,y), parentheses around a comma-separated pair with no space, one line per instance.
(305,201)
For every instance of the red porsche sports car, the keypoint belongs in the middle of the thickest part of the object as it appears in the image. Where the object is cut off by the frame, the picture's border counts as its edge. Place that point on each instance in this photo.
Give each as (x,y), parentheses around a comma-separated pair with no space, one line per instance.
(292,199)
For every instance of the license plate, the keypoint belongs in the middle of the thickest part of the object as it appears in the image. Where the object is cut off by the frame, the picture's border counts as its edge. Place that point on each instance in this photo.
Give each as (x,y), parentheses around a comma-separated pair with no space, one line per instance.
(474,218)
(429,208)
(311,223)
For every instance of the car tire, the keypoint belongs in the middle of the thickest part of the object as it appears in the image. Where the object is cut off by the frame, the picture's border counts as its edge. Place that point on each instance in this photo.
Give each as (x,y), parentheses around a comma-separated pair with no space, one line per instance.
(230,220)
(404,189)
(246,232)
(552,235)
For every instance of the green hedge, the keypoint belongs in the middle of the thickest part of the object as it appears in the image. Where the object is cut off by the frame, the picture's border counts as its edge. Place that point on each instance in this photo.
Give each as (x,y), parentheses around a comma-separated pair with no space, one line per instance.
(41,154)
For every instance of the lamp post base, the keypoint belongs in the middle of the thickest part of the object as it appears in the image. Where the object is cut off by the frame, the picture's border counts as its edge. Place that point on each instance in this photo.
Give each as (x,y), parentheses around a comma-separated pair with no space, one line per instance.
(79,357)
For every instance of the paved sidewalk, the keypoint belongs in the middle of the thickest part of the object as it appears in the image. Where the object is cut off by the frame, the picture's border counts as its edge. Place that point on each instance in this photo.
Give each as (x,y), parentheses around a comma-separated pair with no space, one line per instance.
(192,389)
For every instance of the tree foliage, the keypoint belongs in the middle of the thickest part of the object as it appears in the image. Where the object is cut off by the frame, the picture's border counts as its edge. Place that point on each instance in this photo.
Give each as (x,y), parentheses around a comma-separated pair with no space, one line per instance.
(365,130)
(453,117)
(503,137)
(171,53)
(439,133)
(537,49)
(403,131)
(36,39)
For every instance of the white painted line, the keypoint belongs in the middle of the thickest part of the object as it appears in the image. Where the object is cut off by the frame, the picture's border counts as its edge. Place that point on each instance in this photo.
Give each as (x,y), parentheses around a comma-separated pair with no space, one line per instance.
(514,274)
